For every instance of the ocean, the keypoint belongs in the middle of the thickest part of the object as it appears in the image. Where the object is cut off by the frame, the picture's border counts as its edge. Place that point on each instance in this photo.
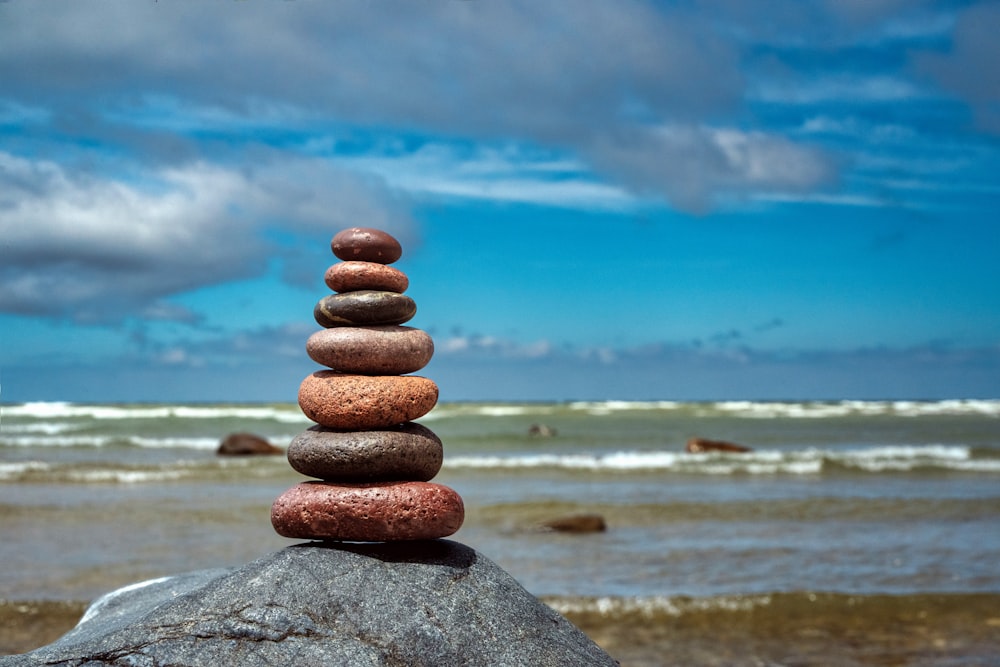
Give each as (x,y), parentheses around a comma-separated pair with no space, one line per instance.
(853,533)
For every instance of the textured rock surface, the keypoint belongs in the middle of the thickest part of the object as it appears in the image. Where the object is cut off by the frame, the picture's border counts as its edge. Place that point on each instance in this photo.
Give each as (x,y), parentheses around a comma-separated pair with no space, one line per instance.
(355,402)
(364,308)
(436,603)
(365,244)
(367,512)
(382,350)
(354,276)
(405,452)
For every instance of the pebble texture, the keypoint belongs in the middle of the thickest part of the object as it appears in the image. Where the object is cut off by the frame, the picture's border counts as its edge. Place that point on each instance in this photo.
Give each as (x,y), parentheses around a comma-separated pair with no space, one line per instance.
(356,402)
(388,511)
(364,308)
(382,350)
(354,276)
(406,452)
(365,244)
(420,604)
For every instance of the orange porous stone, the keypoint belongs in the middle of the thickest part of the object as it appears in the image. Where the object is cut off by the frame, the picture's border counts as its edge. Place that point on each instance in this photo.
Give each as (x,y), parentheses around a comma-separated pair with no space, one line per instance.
(368,512)
(354,276)
(356,402)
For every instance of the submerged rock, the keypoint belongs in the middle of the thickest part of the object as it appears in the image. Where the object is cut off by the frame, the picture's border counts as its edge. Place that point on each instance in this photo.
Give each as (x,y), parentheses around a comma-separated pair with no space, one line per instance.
(577,523)
(246,444)
(428,603)
(700,445)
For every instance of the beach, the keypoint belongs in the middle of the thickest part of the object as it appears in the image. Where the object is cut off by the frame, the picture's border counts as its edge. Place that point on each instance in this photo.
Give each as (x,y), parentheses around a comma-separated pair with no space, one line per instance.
(853,533)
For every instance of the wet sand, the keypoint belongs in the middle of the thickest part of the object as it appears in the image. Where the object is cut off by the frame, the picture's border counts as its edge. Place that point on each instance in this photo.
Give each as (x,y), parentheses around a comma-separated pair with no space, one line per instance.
(802,631)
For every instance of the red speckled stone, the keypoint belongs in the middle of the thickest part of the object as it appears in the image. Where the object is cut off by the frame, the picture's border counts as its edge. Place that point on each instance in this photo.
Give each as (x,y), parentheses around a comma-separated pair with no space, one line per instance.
(354,276)
(388,350)
(364,244)
(368,512)
(357,402)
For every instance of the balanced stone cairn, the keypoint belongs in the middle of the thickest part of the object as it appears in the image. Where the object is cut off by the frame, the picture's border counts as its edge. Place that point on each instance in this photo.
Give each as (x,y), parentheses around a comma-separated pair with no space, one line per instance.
(373,462)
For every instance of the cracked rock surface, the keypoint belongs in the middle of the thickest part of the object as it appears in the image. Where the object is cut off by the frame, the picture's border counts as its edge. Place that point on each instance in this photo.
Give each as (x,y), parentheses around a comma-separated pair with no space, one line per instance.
(433,602)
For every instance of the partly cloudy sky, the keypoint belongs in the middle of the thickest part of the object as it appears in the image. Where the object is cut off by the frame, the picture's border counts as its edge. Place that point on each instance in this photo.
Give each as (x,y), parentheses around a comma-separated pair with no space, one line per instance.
(697,199)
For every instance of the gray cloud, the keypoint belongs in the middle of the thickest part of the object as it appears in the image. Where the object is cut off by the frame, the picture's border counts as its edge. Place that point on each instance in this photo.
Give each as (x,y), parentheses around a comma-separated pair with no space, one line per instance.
(599,79)
(93,250)
(970,67)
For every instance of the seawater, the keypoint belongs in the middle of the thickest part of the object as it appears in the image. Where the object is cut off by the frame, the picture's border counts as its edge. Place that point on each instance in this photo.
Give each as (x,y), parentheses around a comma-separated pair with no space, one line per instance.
(886,500)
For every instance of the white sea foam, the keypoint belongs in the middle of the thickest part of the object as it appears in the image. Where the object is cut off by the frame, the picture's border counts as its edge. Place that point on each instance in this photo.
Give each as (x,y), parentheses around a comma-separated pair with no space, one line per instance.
(55,441)
(448,410)
(64,410)
(827,410)
(609,407)
(122,476)
(16,469)
(656,605)
(764,462)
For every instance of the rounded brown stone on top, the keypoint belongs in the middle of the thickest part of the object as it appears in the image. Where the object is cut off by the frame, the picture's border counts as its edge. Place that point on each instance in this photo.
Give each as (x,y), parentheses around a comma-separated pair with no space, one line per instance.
(364,308)
(385,512)
(354,276)
(365,244)
(381,350)
(409,451)
(356,402)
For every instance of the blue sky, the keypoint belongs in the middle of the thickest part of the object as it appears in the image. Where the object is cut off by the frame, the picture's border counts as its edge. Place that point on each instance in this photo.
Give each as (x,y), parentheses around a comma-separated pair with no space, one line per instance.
(700,199)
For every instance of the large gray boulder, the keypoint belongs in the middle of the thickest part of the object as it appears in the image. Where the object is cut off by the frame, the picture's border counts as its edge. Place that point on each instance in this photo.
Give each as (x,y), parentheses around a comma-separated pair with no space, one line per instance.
(435,603)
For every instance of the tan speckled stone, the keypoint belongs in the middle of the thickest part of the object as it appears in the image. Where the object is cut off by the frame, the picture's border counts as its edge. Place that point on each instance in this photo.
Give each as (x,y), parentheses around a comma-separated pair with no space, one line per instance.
(354,276)
(356,402)
(368,512)
(385,350)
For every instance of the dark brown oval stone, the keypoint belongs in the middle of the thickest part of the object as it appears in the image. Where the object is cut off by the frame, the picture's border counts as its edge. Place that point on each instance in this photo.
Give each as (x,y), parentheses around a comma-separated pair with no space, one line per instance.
(376,350)
(364,244)
(354,276)
(405,452)
(364,308)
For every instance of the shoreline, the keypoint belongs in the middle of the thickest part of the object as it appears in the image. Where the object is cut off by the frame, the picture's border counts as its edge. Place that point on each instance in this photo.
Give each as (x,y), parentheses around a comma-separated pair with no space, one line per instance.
(801,628)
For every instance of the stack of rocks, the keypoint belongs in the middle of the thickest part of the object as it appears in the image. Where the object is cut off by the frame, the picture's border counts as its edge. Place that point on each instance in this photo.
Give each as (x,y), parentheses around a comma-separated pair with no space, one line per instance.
(373,463)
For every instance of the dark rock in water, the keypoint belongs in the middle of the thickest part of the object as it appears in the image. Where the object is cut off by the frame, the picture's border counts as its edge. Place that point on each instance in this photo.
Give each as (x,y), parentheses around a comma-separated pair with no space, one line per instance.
(436,603)
(246,444)
(542,431)
(699,445)
(577,523)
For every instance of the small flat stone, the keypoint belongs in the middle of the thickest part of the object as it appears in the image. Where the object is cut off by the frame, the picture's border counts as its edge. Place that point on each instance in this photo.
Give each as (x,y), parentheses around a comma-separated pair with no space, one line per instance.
(354,276)
(364,308)
(364,244)
(368,512)
(379,350)
(405,452)
(356,402)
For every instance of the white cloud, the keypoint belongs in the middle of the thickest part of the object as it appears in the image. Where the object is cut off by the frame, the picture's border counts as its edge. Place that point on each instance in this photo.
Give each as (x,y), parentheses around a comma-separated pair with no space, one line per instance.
(691,164)
(490,174)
